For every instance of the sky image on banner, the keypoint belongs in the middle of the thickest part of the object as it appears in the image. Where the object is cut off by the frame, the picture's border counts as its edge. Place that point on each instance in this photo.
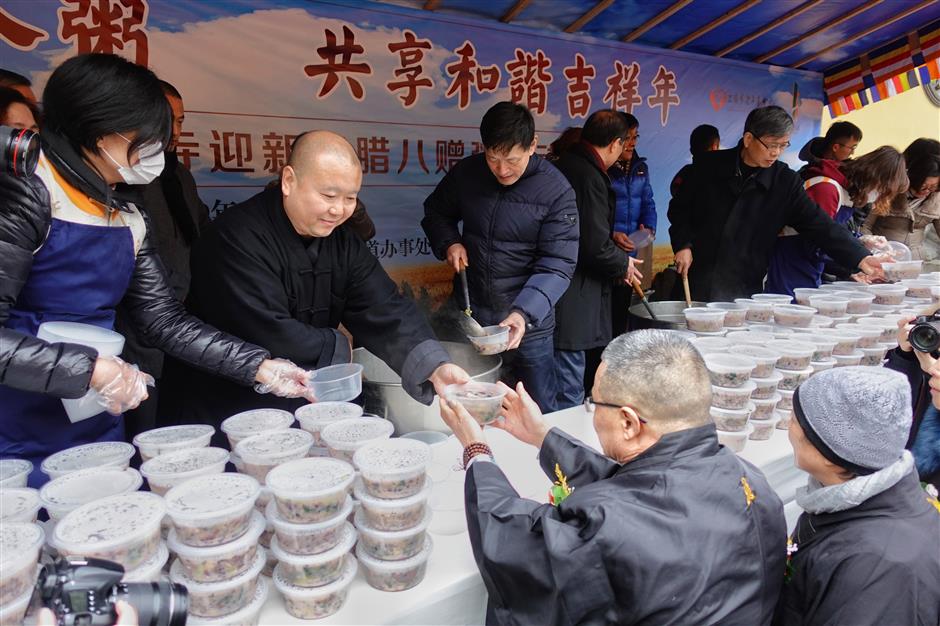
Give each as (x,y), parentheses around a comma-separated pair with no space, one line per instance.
(407,88)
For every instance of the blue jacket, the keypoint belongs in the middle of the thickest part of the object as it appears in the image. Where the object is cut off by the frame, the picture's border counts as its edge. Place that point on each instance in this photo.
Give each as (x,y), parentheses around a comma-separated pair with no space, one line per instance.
(635,204)
(521,239)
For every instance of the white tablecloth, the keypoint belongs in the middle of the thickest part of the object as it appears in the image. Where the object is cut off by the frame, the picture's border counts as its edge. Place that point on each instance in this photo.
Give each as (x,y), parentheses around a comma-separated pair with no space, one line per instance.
(453,592)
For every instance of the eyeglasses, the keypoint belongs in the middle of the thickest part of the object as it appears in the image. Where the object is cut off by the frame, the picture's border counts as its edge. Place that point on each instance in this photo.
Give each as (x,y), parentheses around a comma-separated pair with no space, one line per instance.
(845,145)
(590,405)
(774,147)
(925,188)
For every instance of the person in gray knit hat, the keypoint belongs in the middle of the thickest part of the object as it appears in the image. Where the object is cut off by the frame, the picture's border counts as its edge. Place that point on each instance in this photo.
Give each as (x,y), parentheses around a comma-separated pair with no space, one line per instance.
(866,550)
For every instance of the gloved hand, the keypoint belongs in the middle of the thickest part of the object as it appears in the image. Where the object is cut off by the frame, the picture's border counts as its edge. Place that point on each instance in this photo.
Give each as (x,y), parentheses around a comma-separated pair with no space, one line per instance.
(282,378)
(121,386)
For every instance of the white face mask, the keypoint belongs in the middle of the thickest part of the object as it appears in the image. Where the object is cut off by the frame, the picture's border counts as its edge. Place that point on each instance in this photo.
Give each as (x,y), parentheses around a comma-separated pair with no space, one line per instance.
(872,196)
(148,167)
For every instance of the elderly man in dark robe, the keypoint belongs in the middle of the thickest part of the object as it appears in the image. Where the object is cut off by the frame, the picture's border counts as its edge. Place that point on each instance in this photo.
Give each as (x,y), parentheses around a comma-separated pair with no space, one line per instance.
(284,270)
(665,526)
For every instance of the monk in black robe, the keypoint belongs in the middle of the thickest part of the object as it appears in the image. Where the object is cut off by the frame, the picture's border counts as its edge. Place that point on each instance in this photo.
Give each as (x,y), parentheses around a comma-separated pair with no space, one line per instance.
(665,527)
(284,269)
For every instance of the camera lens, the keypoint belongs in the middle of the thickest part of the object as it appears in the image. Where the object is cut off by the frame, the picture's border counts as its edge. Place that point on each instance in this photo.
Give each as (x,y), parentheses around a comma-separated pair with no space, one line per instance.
(925,337)
(158,604)
(19,151)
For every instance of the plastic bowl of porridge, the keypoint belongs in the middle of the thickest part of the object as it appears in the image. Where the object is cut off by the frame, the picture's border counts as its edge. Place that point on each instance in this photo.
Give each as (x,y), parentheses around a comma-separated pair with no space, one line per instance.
(783,419)
(482,400)
(255,422)
(734,440)
(15,610)
(846,341)
(346,436)
(260,454)
(152,443)
(831,305)
(794,378)
(766,387)
(395,575)
(801,295)
(757,311)
(314,538)
(165,471)
(399,514)
(14,472)
(733,397)
(20,544)
(495,341)
(310,603)
(859,302)
(729,370)
(869,336)
(336,383)
(888,294)
(786,400)
(19,505)
(247,616)
(764,407)
(825,344)
(848,360)
(791,315)
(124,528)
(731,420)
(225,596)
(101,454)
(822,366)
(919,288)
(150,570)
(763,429)
(705,320)
(736,312)
(903,270)
(222,562)
(315,570)
(312,489)
(888,327)
(794,355)
(765,358)
(313,417)
(392,545)
(68,492)
(212,510)
(873,356)
(775,298)
(393,468)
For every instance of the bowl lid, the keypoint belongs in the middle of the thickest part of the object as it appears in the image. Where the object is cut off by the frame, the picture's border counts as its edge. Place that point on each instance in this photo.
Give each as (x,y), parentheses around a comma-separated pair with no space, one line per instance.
(274,444)
(15,502)
(88,455)
(392,456)
(357,430)
(257,421)
(17,539)
(319,412)
(184,461)
(310,476)
(109,522)
(77,488)
(212,495)
(11,468)
(173,434)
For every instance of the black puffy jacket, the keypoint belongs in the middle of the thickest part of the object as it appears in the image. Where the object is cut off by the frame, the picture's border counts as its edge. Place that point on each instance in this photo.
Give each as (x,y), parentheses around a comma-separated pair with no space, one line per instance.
(64,370)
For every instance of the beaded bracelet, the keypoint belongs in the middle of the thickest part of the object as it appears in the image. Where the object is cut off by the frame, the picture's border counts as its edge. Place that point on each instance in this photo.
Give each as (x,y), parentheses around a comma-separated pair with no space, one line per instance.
(473,450)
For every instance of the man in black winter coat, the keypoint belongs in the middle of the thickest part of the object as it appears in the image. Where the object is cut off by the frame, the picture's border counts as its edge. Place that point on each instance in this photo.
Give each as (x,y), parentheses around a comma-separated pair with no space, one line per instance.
(866,550)
(728,212)
(583,315)
(283,269)
(518,245)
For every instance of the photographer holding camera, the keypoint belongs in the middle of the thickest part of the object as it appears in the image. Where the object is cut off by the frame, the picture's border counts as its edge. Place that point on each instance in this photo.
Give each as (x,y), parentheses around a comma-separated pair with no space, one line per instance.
(127,616)
(917,358)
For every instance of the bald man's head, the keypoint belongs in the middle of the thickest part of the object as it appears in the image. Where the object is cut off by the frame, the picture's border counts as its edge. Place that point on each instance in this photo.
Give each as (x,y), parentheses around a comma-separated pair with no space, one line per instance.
(320,183)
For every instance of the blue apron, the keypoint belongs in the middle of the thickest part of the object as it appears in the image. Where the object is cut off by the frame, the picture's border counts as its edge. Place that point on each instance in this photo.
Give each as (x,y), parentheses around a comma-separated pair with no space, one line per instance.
(79,275)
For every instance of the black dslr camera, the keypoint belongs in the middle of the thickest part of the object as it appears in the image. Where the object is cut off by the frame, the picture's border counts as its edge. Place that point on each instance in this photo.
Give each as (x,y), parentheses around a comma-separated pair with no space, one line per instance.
(19,151)
(925,335)
(83,592)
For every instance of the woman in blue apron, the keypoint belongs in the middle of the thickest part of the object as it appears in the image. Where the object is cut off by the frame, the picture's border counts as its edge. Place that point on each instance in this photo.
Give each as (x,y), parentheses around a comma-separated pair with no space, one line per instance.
(73,245)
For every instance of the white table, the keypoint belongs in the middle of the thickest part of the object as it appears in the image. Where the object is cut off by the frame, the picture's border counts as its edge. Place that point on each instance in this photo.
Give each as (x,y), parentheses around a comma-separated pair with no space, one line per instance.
(453,592)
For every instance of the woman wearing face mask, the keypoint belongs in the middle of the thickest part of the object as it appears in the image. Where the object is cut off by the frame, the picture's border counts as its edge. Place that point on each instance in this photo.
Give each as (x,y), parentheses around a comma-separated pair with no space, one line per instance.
(843,190)
(73,245)
(908,215)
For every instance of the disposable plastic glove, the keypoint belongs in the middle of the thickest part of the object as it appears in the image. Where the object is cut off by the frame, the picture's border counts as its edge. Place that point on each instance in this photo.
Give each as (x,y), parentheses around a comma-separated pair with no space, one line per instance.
(121,386)
(282,378)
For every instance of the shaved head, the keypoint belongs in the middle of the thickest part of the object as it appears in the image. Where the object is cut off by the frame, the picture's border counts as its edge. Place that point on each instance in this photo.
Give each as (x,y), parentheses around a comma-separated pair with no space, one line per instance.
(320,183)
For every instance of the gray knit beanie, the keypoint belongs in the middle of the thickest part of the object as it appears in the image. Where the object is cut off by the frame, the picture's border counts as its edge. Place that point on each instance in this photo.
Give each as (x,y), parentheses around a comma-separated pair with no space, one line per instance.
(857,417)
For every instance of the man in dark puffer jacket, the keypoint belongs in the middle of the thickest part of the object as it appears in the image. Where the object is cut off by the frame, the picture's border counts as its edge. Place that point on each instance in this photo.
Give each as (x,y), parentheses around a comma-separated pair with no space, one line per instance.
(519,242)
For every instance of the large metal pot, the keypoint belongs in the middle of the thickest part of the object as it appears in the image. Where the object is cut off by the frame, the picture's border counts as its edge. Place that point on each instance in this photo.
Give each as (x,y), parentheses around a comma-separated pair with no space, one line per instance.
(668,315)
(383,394)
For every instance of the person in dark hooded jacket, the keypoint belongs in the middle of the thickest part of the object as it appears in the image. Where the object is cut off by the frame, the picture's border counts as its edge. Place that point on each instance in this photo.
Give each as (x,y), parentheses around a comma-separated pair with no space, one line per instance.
(518,245)
(866,550)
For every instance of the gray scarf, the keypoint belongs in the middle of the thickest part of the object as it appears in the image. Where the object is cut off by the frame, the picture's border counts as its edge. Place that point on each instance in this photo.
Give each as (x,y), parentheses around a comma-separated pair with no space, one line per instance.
(817,498)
